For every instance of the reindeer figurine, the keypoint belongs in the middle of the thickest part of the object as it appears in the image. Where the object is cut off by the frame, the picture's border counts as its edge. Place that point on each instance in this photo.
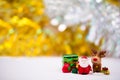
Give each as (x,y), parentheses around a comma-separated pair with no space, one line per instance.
(96,60)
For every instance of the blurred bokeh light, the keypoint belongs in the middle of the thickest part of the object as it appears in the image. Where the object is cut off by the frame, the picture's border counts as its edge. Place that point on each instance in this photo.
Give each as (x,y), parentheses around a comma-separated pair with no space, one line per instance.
(57,27)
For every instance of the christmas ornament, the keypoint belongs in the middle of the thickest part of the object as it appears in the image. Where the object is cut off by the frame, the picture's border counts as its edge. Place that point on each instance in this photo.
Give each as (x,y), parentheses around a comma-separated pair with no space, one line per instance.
(96,60)
(74,70)
(73,58)
(66,68)
(69,63)
(84,67)
(105,70)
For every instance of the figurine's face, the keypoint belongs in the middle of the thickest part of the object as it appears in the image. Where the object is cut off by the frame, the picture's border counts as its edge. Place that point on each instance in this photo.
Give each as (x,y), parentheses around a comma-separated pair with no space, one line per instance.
(96,56)
(84,63)
(96,59)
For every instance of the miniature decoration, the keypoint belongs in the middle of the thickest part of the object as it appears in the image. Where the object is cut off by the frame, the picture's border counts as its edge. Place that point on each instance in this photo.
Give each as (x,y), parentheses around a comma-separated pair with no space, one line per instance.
(69,63)
(84,67)
(66,68)
(105,70)
(75,70)
(96,60)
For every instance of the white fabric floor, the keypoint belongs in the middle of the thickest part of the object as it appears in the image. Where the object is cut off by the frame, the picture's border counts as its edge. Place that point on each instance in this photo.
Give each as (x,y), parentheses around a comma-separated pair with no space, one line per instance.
(49,68)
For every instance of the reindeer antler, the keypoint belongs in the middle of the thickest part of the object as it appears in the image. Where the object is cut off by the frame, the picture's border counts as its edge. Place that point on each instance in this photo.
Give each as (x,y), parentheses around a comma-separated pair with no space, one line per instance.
(102,53)
(94,52)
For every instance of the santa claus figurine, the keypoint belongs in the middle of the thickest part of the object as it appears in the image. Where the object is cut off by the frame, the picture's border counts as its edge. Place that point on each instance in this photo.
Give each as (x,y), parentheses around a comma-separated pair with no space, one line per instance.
(84,67)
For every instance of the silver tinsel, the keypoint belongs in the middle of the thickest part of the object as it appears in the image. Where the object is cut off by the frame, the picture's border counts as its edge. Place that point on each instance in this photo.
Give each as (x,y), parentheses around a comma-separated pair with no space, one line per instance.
(68,12)
(104,17)
(106,21)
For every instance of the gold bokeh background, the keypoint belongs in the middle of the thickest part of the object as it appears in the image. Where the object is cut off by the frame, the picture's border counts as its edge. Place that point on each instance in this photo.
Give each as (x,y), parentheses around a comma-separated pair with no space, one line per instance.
(25,30)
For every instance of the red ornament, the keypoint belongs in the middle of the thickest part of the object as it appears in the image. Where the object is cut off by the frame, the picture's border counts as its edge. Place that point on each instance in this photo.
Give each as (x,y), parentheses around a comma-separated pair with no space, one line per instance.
(66,68)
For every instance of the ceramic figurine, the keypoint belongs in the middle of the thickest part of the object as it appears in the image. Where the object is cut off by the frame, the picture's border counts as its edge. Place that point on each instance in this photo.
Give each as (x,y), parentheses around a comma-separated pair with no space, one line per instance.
(66,68)
(72,58)
(69,63)
(84,67)
(105,70)
(96,60)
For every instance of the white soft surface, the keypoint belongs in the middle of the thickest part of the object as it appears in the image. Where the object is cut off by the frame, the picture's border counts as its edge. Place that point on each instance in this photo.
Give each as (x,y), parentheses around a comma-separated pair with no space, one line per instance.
(49,68)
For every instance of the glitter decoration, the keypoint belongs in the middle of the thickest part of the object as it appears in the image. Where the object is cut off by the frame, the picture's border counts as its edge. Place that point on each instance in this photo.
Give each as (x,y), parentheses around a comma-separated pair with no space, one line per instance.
(106,21)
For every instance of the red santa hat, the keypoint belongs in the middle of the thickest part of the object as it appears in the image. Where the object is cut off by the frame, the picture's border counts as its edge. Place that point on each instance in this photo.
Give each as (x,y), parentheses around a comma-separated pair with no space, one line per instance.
(84,57)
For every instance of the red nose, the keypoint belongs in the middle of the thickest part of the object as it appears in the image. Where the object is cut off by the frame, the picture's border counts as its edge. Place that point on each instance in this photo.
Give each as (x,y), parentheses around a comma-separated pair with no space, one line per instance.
(94,59)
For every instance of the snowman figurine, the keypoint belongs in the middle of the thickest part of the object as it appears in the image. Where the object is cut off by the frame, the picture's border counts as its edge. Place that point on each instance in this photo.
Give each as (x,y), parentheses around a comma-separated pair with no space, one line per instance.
(84,67)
